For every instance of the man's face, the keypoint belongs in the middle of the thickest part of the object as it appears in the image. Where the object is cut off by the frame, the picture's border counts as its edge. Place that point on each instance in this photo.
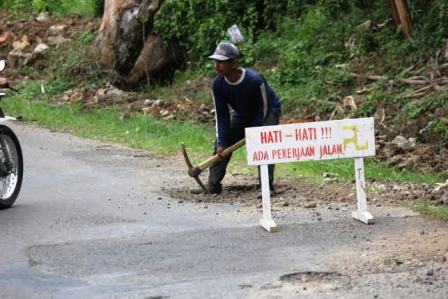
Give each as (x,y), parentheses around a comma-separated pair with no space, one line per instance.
(223,68)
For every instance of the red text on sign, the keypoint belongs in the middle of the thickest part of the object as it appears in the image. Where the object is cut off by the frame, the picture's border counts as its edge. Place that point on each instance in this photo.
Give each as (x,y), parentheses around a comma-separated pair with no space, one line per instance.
(260,156)
(271,137)
(330,150)
(306,134)
(293,153)
(326,132)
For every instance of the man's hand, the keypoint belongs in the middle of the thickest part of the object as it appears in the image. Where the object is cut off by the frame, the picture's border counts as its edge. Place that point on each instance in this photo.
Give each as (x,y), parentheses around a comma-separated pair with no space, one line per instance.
(4,83)
(219,150)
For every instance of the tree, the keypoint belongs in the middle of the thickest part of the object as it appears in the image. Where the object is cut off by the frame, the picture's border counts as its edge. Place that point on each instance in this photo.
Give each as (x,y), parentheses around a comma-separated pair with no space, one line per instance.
(127,44)
(401,16)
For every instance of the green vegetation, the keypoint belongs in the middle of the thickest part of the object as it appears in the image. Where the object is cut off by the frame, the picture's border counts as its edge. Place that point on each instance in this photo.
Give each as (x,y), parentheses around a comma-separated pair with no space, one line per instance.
(88,8)
(307,49)
(431,210)
(75,63)
(302,39)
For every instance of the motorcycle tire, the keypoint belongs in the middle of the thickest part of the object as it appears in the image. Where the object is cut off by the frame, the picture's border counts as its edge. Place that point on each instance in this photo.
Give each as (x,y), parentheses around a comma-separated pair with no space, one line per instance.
(10,183)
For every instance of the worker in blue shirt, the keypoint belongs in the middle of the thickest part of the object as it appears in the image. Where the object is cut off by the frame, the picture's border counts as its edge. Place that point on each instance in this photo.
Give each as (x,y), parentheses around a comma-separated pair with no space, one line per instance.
(242,99)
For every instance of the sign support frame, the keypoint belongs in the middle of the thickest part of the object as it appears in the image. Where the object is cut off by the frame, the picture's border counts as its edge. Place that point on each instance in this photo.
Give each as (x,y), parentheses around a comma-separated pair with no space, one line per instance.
(334,139)
(361,214)
(266,222)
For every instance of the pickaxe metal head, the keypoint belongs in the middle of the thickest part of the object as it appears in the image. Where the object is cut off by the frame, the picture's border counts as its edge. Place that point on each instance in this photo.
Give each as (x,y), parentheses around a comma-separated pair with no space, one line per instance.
(194,172)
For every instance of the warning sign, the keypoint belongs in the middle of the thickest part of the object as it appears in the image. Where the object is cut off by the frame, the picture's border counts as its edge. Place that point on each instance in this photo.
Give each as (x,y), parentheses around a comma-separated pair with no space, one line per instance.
(347,138)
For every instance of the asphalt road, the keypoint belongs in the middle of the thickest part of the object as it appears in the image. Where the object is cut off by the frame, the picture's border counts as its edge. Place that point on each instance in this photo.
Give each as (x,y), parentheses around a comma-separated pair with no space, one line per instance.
(93,221)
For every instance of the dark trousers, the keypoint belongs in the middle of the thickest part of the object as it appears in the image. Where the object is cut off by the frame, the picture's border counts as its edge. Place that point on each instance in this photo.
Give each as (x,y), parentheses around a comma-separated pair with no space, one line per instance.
(218,170)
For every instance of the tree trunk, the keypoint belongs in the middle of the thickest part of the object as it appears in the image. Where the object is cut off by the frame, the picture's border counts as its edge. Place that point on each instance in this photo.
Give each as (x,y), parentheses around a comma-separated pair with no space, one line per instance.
(401,16)
(126,42)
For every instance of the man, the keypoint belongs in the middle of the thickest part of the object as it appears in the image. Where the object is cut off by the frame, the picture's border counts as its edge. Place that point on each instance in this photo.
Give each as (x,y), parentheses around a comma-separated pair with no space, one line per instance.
(253,101)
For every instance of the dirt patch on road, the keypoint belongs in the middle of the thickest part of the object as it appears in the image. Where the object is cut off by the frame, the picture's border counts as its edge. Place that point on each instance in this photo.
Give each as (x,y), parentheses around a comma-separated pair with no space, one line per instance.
(243,189)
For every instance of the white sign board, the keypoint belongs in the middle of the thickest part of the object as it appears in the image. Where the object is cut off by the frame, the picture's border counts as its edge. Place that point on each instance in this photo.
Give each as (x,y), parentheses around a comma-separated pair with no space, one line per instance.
(347,138)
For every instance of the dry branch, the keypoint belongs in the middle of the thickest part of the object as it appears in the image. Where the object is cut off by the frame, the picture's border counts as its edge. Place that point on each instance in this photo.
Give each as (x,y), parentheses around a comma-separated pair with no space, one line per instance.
(416,80)
(435,85)
(368,77)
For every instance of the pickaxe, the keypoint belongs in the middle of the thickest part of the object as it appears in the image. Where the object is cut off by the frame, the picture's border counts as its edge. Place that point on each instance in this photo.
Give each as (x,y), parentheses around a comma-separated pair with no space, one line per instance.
(194,171)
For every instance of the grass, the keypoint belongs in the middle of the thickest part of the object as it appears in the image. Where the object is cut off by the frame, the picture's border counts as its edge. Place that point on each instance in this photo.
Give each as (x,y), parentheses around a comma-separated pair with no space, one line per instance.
(390,260)
(432,211)
(25,8)
(186,84)
(137,131)
(81,7)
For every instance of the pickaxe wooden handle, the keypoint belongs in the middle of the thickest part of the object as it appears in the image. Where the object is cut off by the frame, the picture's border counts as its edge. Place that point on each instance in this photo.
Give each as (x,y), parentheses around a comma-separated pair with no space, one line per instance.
(194,171)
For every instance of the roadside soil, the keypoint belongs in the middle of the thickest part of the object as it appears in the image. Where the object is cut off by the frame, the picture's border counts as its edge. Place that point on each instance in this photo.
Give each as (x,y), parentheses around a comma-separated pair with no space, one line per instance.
(306,193)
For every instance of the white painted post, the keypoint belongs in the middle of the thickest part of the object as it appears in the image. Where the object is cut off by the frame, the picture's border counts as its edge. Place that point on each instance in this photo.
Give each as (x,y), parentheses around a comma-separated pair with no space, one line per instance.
(361,214)
(266,221)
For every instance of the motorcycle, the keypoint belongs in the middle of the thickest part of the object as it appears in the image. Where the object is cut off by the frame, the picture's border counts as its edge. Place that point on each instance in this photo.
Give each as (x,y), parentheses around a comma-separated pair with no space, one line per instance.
(11,159)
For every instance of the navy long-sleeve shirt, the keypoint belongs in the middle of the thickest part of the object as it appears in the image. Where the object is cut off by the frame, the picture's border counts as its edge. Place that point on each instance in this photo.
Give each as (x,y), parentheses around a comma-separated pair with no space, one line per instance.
(249,97)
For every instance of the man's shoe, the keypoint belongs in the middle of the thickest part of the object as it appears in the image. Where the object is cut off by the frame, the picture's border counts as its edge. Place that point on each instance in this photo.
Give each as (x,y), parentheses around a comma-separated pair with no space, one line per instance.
(212,189)
(196,190)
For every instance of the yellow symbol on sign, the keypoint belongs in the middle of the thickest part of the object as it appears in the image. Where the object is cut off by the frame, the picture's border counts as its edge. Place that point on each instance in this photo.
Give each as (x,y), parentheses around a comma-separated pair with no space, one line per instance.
(354,139)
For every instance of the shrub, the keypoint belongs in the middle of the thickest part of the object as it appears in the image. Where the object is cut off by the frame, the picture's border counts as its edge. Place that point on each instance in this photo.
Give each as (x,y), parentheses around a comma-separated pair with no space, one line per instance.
(199,25)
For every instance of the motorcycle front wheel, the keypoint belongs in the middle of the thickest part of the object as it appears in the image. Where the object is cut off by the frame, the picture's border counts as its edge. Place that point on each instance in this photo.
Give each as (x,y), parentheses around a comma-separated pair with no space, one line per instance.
(11,167)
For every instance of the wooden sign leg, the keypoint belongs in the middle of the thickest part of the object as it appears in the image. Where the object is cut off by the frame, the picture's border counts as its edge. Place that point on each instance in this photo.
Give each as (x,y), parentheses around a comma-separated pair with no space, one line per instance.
(266,222)
(361,214)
